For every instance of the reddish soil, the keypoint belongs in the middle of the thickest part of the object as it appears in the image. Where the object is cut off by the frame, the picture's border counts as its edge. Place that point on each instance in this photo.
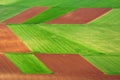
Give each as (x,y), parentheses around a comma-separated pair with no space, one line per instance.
(73,67)
(80,16)
(65,67)
(6,67)
(25,15)
(9,42)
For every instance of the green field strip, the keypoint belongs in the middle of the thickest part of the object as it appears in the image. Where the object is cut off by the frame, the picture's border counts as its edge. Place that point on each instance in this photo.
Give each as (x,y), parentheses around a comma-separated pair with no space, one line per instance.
(101,38)
(41,41)
(63,8)
(9,11)
(57,9)
(28,63)
(106,63)
(49,14)
(7,2)
(53,12)
(112,18)
(82,3)
(39,2)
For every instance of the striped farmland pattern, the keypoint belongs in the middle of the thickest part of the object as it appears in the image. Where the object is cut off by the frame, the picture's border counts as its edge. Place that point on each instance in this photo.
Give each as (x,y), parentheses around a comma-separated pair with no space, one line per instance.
(59,40)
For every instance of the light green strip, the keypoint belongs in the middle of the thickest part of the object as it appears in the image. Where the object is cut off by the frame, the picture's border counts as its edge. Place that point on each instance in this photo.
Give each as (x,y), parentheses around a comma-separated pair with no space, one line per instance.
(9,11)
(42,41)
(108,64)
(111,18)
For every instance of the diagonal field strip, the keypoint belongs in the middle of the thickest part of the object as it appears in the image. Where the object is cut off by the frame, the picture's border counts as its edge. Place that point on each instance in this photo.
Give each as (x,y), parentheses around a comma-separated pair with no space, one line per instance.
(9,11)
(81,70)
(13,9)
(71,64)
(53,12)
(66,7)
(28,64)
(63,8)
(80,16)
(6,66)
(25,15)
(42,41)
(106,63)
(74,65)
(111,18)
(82,3)
(102,38)
(7,2)
(9,42)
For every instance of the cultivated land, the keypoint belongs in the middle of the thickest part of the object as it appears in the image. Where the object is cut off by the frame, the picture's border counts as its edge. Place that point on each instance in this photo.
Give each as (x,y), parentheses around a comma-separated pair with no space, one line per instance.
(109,64)
(59,9)
(28,64)
(40,40)
(7,67)
(81,69)
(101,38)
(56,50)
(9,42)
(9,11)
(80,16)
(82,3)
(111,18)
(7,2)
(25,15)
(89,39)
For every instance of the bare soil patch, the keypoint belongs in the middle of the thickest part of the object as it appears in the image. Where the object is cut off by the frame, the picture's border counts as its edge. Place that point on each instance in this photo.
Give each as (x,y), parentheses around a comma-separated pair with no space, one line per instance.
(9,42)
(25,15)
(7,67)
(80,16)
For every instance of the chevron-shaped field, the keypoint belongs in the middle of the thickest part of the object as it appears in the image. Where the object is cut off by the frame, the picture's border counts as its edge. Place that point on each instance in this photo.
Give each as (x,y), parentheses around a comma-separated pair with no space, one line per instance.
(59,40)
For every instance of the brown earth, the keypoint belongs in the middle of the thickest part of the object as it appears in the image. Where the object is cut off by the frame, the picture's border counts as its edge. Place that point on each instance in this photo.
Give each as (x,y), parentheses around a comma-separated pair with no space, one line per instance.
(25,15)
(65,67)
(9,42)
(73,67)
(80,16)
(6,67)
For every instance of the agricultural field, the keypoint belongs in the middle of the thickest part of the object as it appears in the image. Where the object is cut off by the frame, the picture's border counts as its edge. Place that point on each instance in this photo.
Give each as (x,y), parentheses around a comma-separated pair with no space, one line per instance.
(30,64)
(46,42)
(59,40)
(109,64)
(7,2)
(79,37)
(112,18)
(9,11)
(60,8)
(82,3)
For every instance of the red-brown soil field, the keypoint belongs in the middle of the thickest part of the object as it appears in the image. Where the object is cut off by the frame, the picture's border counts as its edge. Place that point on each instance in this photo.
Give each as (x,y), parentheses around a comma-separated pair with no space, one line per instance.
(9,42)
(7,67)
(80,16)
(65,67)
(25,15)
